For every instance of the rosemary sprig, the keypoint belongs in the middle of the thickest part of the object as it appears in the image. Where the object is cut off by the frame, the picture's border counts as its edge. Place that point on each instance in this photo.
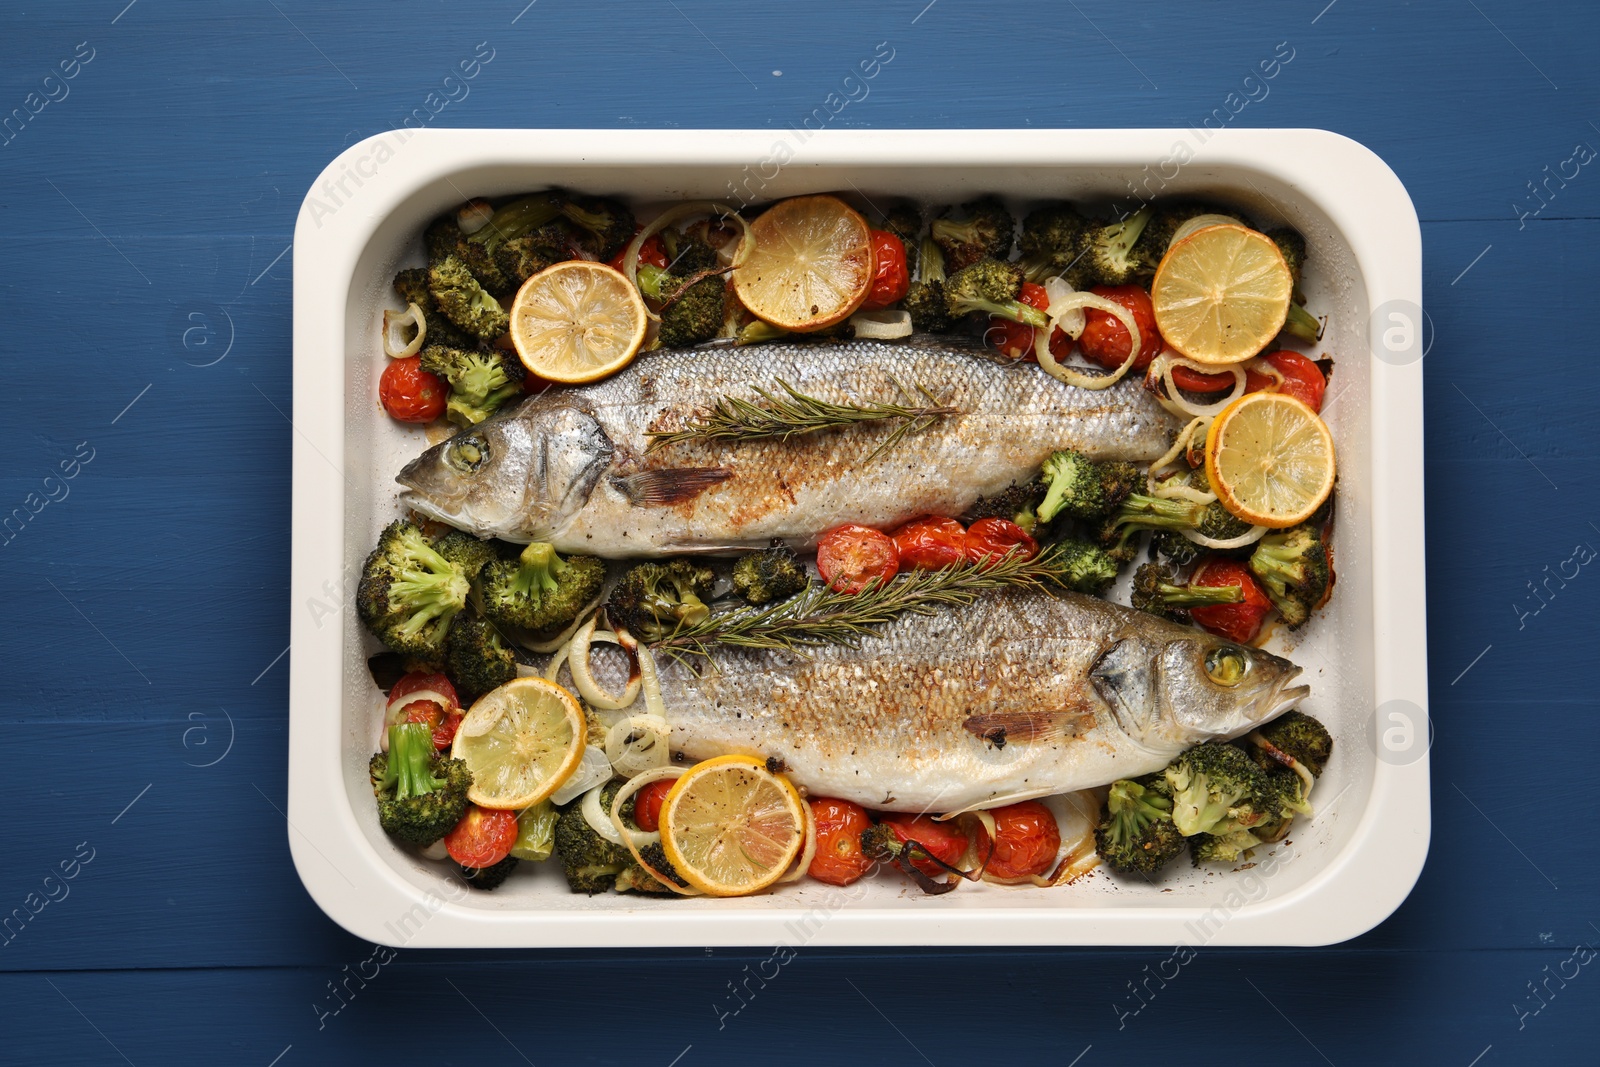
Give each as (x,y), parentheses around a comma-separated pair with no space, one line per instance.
(821,616)
(796,413)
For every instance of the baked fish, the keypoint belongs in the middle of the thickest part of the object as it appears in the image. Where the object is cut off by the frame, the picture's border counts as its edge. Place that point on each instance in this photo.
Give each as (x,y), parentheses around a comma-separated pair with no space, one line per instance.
(1019,694)
(575,466)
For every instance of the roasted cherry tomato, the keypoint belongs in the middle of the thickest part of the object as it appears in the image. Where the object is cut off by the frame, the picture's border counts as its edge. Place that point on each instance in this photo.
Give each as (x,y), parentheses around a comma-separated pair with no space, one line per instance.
(930,543)
(890,278)
(417,680)
(1237,622)
(839,860)
(944,840)
(1026,840)
(483,837)
(991,539)
(851,557)
(1105,340)
(1302,379)
(647,804)
(410,393)
(651,252)
(1013,338)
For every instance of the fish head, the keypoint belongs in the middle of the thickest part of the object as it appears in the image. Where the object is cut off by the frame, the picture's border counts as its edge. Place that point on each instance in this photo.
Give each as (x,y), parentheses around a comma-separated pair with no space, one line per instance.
(522,476)
(1172,694)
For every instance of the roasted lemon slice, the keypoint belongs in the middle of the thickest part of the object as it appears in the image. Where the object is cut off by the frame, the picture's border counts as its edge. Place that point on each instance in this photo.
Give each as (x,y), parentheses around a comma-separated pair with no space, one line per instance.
(577,322)
(521,742)
(811,265)
(731,827)
(1270,459)
(1221,294)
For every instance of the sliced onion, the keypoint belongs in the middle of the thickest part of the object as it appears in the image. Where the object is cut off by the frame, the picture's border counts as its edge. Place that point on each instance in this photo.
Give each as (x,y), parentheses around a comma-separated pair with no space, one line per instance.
(393,321)
(1056,290)
(630,256)
(808,852)
(653,704)
(473,216)
(553,668)
(544,648)
(1243,539)
(631,839)
(1189,407)
(1200,222)
(596,817)
(588,688)
(435,851)
(1071,375)
(593,770)
(881,325)
(639,743)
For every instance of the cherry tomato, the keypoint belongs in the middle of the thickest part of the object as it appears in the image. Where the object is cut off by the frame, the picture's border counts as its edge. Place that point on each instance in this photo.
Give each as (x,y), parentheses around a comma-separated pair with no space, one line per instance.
(852,557)
(944,840)
(991,539)
(1302,379)
(890,278)
(1013,338)
(410,393)
(930,543)
(1237,622)
(483,837)
(839,825)
(651,252)
(647,804)
(1105,340)
(1197,382)
(417,680)
(1027,839)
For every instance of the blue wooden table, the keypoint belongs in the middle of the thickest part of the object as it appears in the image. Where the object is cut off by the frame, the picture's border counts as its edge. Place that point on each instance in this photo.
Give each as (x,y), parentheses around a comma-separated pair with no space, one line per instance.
(154,158)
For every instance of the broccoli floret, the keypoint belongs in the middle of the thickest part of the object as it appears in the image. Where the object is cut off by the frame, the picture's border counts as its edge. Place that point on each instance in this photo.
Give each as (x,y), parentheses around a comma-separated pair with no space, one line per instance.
(488,878)
(1140,512)
(476,657)
(539,590)
(421,795)
(1137,835)
(1298,736)
(924,299)
(445,239)
(635,879)
(1109,258)
(1225,847)
(1053,241)
(985,233)
(412,287)
(1302,325)
(523,257)
(1293,247)
(1155,591)
(609,221)
(469,553)
(695,316)
(409,594)
(1083,488)
(775,573)
(1085,568)
(1211,785)
(1175,548)
(464,302)
(653,599)
(1165,220)
(591,863)
(521,216)
(904,220)
(480,381)
(687,252)
(1294,570)
(990,287)
(1016,502)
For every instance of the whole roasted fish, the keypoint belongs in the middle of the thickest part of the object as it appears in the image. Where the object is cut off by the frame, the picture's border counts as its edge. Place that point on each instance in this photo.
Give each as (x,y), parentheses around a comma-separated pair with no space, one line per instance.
(1019,694)
(575,466)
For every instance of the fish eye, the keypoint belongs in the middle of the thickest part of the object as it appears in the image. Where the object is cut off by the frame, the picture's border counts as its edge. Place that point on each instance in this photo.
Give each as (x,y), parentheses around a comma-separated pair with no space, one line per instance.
(1227,665)
(468,453)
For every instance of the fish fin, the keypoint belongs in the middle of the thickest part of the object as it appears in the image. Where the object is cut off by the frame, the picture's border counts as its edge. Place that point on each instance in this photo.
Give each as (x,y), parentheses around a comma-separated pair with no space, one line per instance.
(1001,728)
(669,485)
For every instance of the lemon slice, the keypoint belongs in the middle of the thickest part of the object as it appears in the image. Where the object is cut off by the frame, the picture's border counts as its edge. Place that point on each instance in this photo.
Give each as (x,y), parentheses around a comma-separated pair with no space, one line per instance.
(731,827)
(1221,294)
(577,322)
(1270,459)
(520,742)
(811,265)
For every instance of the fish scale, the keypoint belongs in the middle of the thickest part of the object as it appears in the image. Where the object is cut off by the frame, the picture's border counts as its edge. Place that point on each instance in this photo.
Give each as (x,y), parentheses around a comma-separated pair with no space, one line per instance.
(575,466)
(1020,693)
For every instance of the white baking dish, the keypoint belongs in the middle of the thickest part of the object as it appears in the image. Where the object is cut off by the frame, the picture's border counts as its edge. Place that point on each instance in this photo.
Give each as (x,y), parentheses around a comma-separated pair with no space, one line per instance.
(1338,876)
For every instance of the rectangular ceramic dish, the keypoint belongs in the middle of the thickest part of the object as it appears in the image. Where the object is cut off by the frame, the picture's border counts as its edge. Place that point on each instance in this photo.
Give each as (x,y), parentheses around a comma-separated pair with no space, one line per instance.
(1365,657)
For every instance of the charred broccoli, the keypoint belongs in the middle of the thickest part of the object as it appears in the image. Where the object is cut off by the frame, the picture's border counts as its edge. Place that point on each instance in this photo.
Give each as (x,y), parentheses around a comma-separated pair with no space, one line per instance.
(480,381)
(1085,568)
(1302,325)
(925,300)
(1298,736)
(539,590)
(687,252)
(609,222)
(904,220)
(1083,488)
(412,287)
(1108,257)
(1155,590)
(1295,571)
(1137,835)
(466,551)
(1214,785)
(1165,220)
(985,233)
(464,301)
(1226,847)
(487,878)
(1140,512)
(697,313)
(1016,502)
(476,657)
(591,863)
(1175,548)
(990,287)
(421,796)
(775,573)
(635,879)
(1053,242)
(409,593)
(1293,247)
(654,599)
